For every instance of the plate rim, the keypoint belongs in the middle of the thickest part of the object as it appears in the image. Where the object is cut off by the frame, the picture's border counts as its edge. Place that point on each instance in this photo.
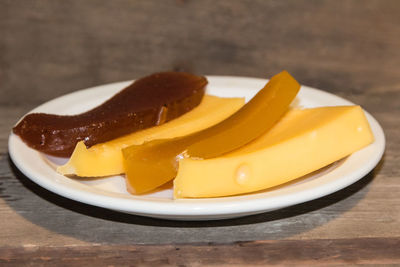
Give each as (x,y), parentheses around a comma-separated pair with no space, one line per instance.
(197,209)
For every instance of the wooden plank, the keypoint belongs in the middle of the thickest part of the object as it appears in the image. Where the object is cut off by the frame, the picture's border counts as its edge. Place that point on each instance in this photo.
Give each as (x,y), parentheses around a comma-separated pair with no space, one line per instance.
(35,216)
(302,252)
(74,45)
(48,48)
(366,209)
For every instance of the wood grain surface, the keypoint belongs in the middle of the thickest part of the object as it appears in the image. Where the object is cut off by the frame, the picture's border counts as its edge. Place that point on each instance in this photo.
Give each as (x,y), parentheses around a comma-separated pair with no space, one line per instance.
(369,251)
(350,48)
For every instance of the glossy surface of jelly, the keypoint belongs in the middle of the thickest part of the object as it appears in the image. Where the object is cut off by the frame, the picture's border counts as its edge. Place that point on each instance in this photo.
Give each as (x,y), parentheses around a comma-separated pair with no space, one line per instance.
(106,158)
(154,163)
(147,102)
(301,142)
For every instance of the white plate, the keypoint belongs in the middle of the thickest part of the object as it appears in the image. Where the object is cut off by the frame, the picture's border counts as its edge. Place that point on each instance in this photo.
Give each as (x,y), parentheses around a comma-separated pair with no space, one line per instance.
(110,193)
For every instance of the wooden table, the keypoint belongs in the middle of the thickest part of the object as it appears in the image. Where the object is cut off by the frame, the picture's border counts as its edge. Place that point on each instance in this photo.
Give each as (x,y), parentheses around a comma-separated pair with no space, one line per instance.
(350,48)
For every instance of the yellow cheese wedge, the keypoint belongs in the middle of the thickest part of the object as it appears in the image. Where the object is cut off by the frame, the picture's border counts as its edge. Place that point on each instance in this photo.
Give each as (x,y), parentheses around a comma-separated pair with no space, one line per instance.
(106,158)
(301,142)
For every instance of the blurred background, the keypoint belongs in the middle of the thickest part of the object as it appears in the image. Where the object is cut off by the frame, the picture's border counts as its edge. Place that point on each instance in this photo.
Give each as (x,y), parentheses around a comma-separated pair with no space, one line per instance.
(49,48)
(350,47)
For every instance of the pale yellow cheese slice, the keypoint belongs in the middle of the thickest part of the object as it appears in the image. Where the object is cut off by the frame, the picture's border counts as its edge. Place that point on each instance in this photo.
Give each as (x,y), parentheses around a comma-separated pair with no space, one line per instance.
(106,158)
(301,142)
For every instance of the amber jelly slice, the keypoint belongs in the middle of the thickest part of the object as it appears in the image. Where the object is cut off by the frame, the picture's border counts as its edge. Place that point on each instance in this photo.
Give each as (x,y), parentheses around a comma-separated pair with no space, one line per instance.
(154,163)
(106,159)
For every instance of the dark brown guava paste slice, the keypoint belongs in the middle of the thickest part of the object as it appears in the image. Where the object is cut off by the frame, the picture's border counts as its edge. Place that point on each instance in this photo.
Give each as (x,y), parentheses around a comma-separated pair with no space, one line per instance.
(147,102)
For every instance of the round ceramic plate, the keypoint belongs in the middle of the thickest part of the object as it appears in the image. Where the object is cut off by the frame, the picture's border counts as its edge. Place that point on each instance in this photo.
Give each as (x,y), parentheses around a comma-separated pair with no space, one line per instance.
(110,192)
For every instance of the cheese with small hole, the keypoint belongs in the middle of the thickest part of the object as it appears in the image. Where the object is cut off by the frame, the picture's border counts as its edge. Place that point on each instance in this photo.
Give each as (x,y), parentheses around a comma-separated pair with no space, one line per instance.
(106,158)
(303,141)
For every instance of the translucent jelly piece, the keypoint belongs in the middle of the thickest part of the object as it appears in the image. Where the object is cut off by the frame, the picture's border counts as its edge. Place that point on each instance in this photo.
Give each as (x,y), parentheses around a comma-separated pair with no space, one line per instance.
(147,102)
(301,142)
(106,158)
(154,163)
